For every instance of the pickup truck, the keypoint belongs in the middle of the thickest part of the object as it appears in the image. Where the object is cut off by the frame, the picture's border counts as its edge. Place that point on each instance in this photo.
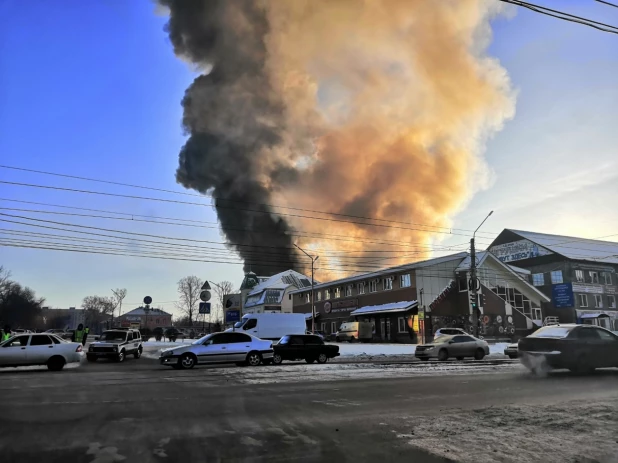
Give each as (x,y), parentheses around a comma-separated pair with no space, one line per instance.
(310,348)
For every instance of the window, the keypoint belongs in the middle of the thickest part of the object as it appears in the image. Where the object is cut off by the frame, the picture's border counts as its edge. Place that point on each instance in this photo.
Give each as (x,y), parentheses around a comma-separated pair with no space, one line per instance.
(605,336)
(588,333)
(579,276)
(158,321)
(348,290)
(55,339)
(337,292)
(463,284)
(333,327)
(373,286)
(594,277)
(251,323)
(598,301)
(313,340)
(308,297)
(583,300)
(17,341)
(131,335)
(40,341)
(607,277)
(237,337)
(536,314)
(538,279)
(361,287)
(401,322)
(405,281)
(462,339)
(556,277)
(387,283)
(319,295)
(327,294)
(295,341)
(323,327)
(611,302)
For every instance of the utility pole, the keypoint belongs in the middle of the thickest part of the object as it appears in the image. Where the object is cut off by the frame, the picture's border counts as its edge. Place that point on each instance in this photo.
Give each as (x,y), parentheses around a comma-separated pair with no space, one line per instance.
(313,260)
(474,281)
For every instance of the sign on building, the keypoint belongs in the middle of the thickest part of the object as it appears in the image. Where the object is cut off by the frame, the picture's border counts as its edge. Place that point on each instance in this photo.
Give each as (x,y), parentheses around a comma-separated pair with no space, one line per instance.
(562,295)
(232,301)
(232,316)
(518,250)
(591,289)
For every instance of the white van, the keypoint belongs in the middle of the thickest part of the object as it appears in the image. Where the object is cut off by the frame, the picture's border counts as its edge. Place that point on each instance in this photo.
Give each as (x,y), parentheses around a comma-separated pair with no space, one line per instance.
(272,325)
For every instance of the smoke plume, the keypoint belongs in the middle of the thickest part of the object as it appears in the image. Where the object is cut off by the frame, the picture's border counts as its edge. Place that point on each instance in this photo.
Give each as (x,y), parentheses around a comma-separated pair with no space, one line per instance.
(369,108)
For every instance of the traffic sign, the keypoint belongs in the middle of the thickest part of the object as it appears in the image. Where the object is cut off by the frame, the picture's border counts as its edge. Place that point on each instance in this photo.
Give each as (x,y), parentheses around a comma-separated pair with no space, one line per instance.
(205,308)
(232,316)
(147,300)
(205,296)
(206,285)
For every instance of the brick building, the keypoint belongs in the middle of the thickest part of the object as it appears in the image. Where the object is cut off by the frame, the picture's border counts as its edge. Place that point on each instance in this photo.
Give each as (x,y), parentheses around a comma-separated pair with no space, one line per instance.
(578,275)
(142,318)
(405,301)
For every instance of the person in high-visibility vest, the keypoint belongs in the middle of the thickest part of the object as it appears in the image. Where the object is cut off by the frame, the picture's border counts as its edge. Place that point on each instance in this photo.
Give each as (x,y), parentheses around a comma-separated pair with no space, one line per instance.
(6,333)
(86,331)
(78,334)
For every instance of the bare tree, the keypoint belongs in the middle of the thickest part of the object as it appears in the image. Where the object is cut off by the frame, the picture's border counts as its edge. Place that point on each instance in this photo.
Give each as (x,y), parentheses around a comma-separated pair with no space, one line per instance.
(221,289)
(97,309)
(189,289)
(5,279)
(119,295)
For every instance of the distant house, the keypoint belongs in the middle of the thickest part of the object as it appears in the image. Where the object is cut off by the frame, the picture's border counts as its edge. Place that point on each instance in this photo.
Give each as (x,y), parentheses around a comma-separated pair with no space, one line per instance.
(143,318)
(269,295)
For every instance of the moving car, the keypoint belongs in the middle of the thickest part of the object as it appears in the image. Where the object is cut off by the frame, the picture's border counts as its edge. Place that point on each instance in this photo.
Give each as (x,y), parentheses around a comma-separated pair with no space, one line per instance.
(512,351)
(226,347)
(310,348)
(459,346)
(39,349)
(116,345)
(354,331)
(579,348)
(450,332)
(271,325)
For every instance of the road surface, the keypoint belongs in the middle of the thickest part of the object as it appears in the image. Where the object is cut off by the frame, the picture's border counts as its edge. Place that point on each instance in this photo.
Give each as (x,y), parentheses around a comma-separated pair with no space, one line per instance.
(139,411)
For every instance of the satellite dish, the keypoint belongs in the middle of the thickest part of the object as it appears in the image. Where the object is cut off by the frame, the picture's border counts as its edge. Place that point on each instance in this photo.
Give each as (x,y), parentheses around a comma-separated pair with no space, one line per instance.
(147,300)
(205,296)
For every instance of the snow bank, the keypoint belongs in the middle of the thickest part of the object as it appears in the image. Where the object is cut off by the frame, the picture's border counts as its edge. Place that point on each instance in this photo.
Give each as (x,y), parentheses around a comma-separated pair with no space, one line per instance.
(372,350)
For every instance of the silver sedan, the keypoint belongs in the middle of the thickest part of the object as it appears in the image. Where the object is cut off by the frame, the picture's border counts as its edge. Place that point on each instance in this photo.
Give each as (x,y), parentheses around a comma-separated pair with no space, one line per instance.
(230,347)
(459,346)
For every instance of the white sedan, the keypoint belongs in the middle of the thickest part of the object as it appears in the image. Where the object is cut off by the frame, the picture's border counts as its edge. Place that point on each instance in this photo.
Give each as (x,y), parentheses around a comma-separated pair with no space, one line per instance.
(39,349)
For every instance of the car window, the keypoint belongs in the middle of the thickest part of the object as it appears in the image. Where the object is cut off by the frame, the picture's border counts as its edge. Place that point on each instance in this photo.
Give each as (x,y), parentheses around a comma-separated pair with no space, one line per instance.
(220,339)
(40,340)
(284,340)
(551,332)
(251,323)
(17,341)
(237,337)
(130,337)
(55,340)
(313,340)
(605,336)
(462,339)
(588,333)
(113,336)
(296,341)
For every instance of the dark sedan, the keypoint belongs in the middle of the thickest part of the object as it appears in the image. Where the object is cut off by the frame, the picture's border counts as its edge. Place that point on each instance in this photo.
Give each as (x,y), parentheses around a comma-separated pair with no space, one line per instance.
(579,348)
(309,347)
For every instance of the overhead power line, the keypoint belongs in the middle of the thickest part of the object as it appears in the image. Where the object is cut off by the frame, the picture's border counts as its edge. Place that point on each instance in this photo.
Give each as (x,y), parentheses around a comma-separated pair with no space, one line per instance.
(565,16)
(184,193)
(608,3)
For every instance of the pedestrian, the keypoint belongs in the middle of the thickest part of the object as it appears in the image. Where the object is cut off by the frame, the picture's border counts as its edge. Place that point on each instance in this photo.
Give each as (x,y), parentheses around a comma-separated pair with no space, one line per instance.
(86,331)
(78,334)
(6,334)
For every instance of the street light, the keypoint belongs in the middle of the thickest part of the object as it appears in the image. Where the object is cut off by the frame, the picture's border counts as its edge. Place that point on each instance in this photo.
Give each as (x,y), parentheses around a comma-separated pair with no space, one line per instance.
(313,260)
(473,280)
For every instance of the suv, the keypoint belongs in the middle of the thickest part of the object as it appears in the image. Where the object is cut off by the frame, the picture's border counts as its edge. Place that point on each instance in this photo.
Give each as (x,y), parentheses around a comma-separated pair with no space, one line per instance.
(116,344)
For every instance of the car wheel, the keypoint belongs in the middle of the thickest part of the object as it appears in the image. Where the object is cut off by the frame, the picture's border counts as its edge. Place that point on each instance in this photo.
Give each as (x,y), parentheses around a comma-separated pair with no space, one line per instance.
(512,356)
(187,361)
(120,357)
(479,354)
(55,364)
(138,353)
(351,340)
(309,360)
(581,366)
(459,358)
(254,359)
(91,358)
(443,355)
(322,358)
(277,359)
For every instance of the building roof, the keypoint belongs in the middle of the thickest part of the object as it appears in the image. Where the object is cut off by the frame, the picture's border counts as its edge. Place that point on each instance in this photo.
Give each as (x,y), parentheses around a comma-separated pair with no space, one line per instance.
(412,266)
(574,248)
(401,306)
(271,290)
(141,311)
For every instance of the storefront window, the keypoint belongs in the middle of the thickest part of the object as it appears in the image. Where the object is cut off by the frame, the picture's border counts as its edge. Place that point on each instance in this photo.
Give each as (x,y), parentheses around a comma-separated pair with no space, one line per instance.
(401,321)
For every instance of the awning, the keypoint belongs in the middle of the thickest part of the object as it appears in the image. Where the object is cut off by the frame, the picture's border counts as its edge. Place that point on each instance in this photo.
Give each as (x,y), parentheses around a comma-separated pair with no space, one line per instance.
(593,315)
(392,307)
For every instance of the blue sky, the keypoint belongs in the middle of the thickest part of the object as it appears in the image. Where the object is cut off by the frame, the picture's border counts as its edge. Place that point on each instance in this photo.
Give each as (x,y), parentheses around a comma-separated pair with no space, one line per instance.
(93,89)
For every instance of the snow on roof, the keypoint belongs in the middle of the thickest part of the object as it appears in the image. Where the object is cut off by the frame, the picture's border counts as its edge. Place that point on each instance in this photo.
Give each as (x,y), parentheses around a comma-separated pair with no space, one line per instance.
(523,271)
(574,248)
(282,280)
(411,266)
(142,311)
(401,306)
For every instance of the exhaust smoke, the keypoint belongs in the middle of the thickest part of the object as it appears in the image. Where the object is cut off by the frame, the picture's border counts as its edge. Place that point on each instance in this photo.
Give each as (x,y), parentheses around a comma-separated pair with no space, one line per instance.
(369,108)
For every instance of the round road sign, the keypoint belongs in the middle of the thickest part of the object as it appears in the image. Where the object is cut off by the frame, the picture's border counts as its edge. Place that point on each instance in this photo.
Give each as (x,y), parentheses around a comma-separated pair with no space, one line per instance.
(147,300)
(205,296)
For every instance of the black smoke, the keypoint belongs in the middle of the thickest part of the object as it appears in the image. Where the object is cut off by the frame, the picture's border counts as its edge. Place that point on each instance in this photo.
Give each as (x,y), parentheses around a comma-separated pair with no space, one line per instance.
(232,117)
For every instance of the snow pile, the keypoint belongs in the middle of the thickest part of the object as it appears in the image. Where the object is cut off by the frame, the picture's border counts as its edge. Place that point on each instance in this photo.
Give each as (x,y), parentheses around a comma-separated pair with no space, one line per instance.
(355,350)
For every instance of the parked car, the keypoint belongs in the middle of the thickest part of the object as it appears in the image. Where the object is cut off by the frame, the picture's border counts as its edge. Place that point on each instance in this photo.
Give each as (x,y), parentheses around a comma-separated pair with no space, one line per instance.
(459,346)
(226,347)
(354,331)
(579,348)
(116,345)
(21,331)
(39,349)
(450,332)
(271,326)
(310,348)
(512,351)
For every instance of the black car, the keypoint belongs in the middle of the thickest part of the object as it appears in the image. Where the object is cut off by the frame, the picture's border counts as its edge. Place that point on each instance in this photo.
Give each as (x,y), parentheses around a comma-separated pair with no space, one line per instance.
(308,347)
(579,348)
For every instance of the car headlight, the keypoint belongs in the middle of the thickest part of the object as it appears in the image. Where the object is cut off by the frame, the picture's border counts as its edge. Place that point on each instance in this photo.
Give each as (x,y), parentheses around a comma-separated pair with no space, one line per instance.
(90,349)
(167,353)
(429,348)
(115,348)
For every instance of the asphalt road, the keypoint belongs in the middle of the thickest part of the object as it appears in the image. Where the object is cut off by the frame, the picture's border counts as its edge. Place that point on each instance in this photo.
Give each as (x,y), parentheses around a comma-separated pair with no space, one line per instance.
(139,411)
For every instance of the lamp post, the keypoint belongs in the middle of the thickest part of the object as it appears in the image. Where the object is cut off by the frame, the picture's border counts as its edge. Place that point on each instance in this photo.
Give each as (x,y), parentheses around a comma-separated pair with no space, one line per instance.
(313,260)
(475,286)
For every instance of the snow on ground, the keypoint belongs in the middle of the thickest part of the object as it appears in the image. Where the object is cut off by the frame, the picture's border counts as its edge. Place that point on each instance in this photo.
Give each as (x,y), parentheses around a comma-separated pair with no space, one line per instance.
(567,432)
